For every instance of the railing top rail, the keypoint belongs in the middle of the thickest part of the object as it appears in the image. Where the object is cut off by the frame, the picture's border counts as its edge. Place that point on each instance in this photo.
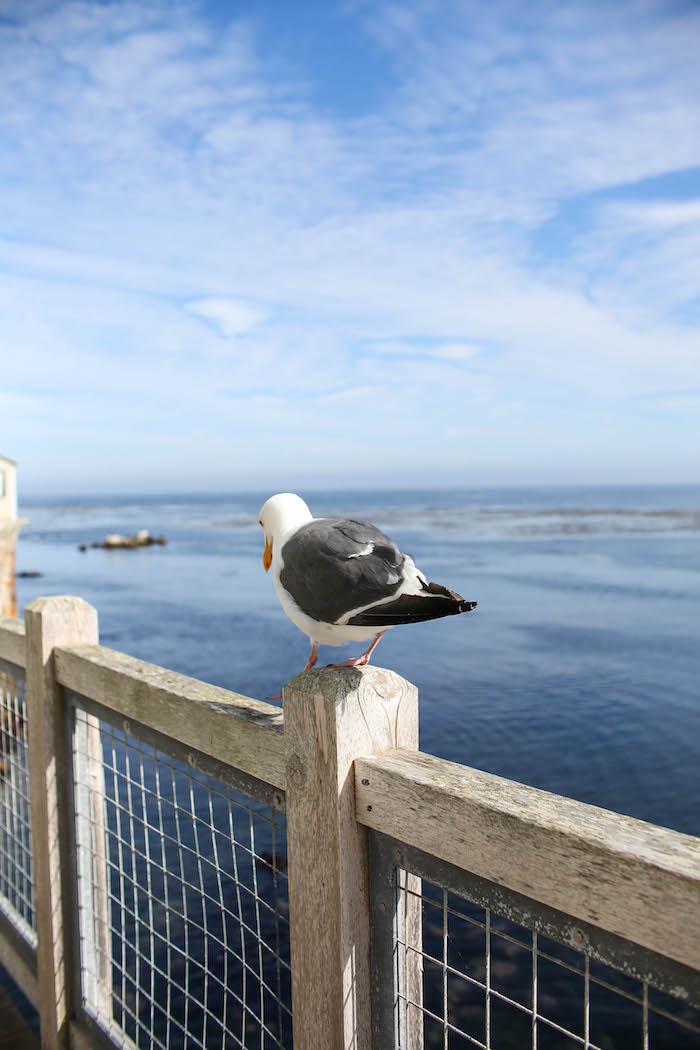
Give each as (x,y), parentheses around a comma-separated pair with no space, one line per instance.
(12,641)
(236,730)
(626,876)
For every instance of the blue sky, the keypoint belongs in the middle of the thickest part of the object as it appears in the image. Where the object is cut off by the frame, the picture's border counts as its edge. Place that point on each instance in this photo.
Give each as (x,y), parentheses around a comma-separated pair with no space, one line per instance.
(276,244)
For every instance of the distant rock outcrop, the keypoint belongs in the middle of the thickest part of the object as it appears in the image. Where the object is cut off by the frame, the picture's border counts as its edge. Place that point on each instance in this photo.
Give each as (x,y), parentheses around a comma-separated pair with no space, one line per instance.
(115,541)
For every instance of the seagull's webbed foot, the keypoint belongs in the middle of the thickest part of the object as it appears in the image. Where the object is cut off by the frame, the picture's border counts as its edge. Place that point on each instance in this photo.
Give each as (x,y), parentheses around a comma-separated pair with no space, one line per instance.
(363,660)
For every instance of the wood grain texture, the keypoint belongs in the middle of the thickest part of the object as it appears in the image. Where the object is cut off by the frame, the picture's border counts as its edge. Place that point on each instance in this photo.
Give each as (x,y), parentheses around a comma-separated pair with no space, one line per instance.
(332,715)
(12,645)
(623,875)
(234,729)
(20,972)
(80,1039)
(91,835)
(15,1031)
(83,1036)
(51,622)
(408,921)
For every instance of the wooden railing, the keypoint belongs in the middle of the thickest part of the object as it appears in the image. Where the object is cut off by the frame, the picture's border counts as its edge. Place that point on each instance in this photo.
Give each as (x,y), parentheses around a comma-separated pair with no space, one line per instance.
(633,879)
(342,763)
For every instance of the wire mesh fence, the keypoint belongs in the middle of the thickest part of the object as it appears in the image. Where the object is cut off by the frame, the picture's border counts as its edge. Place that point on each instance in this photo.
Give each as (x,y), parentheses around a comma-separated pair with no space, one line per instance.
(489,982)
(181,892)
(466,975)
(16,887)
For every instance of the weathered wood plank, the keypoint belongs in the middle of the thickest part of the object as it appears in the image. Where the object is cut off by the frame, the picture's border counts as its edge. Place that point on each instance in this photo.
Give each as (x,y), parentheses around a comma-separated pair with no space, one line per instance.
(86,1036)
(623,875)
(92,866)
(52,622)
(332,715)
(237,730)
(12,640)
(19,970)
(15,1031)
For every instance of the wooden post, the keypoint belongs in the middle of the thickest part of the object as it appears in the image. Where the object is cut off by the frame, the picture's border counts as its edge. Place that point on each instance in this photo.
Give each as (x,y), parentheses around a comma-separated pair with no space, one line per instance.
(52,622)
(409,926)
(332,716)
(91,846)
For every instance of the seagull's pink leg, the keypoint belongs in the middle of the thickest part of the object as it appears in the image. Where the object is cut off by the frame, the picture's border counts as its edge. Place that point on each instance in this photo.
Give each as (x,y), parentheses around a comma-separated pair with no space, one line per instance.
(311,662)
(361,661)
(313,657)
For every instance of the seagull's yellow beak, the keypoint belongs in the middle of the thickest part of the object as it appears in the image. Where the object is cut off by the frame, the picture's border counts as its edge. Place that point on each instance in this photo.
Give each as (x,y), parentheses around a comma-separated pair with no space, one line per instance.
(267,556)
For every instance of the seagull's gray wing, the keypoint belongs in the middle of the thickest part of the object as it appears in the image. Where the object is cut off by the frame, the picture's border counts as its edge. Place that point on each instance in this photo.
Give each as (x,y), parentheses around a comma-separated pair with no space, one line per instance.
(333,566)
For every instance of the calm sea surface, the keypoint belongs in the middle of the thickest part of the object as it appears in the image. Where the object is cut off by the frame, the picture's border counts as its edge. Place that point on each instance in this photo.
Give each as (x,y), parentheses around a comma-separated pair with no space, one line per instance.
(579,672)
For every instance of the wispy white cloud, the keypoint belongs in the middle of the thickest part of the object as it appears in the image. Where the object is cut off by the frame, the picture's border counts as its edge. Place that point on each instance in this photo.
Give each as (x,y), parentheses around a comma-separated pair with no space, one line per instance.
(231,316)
(351,393)
(390,348)
(664,213)
(457,351)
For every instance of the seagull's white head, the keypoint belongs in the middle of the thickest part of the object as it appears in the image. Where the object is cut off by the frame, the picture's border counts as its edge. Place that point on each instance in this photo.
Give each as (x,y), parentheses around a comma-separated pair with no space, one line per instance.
(279,515)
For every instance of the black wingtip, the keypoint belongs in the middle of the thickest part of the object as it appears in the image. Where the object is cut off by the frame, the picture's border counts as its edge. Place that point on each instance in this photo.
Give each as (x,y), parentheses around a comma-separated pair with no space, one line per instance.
(467,606)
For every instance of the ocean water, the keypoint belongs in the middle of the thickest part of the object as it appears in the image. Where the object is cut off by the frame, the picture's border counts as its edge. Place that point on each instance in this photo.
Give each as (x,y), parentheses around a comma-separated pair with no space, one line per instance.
(579,672)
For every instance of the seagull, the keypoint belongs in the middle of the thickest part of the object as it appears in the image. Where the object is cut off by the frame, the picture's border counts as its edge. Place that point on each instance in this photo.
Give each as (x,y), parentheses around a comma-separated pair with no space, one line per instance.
(341,580)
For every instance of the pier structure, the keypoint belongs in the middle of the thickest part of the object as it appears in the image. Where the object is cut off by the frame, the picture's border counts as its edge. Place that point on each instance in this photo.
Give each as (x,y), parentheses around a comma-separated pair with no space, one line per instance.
(184,865)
